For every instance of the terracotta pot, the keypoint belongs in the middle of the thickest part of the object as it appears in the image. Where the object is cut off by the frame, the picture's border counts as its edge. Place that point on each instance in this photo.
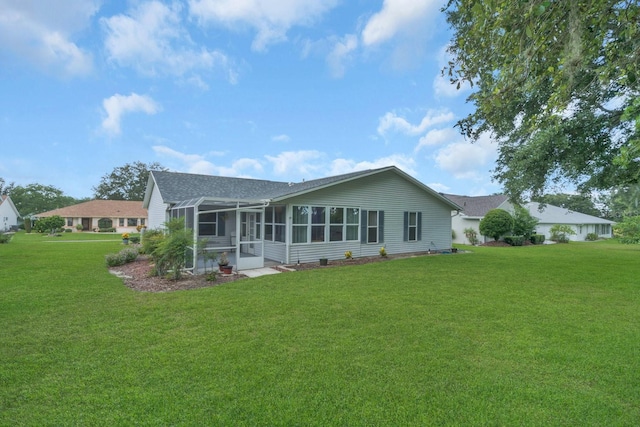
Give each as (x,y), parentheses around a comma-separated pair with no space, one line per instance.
(227,269)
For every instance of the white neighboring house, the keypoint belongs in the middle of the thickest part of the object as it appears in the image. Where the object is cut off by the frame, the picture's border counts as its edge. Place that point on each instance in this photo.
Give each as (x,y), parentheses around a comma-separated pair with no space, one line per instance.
(475,208)
(8,213)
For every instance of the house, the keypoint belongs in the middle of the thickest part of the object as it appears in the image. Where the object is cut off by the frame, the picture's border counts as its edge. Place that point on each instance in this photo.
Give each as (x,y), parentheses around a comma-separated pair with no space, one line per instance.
(121,215)
(8,214)
(284,222)
(474,209)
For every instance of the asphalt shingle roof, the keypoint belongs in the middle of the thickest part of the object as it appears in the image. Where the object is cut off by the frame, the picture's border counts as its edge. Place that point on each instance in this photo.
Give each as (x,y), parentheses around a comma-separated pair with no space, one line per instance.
(99,209)
(176,186)
(477,206)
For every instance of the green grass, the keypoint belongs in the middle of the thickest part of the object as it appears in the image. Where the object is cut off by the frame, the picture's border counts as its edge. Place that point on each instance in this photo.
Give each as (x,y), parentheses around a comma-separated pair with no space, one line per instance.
(546,335)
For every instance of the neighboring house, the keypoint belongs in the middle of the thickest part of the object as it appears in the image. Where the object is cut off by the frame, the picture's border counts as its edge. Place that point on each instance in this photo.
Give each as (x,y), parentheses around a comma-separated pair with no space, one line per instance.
(257,220)
(123,215)
(8,214)
(475,208)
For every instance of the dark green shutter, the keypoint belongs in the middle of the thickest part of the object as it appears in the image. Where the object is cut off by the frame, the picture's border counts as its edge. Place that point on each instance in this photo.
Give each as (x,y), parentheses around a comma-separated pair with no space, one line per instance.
(419,225)
(363,226)
(381,226)
(406,227)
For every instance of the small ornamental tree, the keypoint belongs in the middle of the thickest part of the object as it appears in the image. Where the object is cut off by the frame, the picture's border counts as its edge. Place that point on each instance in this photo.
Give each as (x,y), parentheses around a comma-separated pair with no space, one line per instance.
(560,233)
(496,223)
(523,223)
(49,224)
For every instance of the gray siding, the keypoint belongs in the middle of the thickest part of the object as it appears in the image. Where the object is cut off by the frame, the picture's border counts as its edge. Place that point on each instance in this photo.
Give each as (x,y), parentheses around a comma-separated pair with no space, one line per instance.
(275,251)
(386,192)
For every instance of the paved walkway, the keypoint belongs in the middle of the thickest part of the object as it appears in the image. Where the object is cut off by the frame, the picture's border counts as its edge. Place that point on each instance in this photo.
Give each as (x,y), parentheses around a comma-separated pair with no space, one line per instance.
(257,272)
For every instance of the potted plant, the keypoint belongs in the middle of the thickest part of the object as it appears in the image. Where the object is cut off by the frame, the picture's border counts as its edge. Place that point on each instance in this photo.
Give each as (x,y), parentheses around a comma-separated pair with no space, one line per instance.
(125,238)
(223,261)
(324,261)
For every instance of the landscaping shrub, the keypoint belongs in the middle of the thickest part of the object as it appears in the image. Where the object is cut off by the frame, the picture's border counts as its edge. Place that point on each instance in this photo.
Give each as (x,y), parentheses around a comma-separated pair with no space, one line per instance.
(537,239)
(560,233)
(496,223)
(514,240)
(523,223)
(123,257)
(592,237)
(68,230)
(5,238)
(134,239)
(107,230)
(471,235)
(150,240)
(170,253)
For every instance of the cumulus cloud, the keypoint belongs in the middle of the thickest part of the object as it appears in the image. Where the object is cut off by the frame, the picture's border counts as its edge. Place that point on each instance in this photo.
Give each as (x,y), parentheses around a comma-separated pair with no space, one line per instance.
(198,164)
(118,105)
(406,163)
(304,162)
(464,159)
(271,19)
(392,122)
(43,35)
(397,16)
(341,54)
(281,138)
(152,40)
(438,137)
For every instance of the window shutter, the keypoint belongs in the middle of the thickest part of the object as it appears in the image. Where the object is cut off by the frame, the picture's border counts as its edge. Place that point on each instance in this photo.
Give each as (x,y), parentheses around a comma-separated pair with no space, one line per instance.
(405,236)
(419,225)
(381,226)
(363,226)
(221,224)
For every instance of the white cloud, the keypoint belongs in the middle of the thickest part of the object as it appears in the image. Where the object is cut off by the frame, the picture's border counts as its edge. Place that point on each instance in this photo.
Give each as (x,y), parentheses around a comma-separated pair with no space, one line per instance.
(305,162)
(152,40)
(198,164)
(464,159)
(271,19)
(118,105)
(341,53)
(43,35)
(407,164)
(398,16)
(392,122)
(281,138)
(438,137)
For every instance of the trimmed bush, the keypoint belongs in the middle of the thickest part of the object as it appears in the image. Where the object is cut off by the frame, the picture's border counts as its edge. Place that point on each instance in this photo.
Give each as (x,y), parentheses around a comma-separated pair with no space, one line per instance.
(514,240)
(592,237)
(134,239)
(537,239)
(560,233)
(496,223)
(123,257)
(5,238)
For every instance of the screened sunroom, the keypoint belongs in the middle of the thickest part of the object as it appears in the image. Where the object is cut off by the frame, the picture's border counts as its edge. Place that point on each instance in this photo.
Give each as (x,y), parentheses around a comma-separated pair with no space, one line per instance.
(230,226)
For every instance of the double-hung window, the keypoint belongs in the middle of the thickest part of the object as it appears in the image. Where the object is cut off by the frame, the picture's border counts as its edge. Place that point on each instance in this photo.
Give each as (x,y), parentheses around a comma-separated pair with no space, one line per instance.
(208,224)
(412,226)
(372,226)
(300,224)
(274,225)
(317,224)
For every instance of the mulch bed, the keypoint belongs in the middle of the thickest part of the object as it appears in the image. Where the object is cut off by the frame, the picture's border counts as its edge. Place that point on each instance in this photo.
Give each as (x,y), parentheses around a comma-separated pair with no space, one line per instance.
(137,275)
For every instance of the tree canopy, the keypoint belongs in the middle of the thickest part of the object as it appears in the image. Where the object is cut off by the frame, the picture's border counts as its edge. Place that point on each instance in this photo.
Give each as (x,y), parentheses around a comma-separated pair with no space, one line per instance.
(126,182)
(36,198)
(556,84)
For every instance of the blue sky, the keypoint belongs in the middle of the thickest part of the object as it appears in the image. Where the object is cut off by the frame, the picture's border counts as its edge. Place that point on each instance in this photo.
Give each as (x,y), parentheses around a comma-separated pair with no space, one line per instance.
(271,89)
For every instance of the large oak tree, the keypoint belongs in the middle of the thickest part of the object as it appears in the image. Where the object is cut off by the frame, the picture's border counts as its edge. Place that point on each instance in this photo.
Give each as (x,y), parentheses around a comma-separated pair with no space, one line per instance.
(556,84)
(126,182)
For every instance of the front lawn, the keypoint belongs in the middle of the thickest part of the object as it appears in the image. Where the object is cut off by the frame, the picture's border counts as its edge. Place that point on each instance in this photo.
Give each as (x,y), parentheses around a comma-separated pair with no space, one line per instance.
(537,335)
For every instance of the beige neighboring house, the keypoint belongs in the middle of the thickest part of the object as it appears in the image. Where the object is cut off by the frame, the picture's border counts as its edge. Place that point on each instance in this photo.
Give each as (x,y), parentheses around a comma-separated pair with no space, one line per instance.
(8,214)
(123,215)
